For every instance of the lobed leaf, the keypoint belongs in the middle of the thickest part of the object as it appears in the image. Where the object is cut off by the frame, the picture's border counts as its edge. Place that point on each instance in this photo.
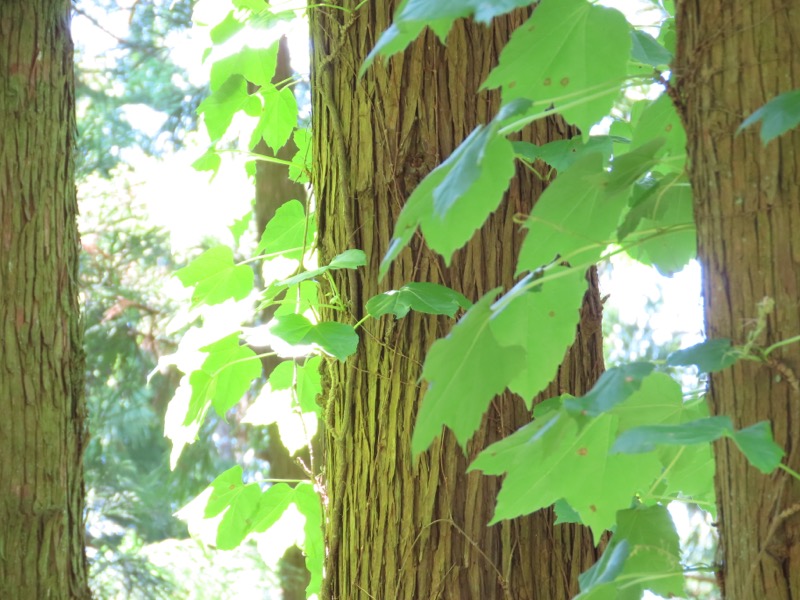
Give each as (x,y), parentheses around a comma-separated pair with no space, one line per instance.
(465,371)
(571,54)
(425,297)
(216,278)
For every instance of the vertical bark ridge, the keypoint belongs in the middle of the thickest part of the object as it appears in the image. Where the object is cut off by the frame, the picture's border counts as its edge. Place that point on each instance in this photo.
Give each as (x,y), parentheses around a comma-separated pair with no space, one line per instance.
(399,528)
(732,58)
(41,363)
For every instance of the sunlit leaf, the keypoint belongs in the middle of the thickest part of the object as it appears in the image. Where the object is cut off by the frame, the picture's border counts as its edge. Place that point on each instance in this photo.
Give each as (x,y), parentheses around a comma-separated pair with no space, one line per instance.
(572,54)
(278,117)
(216,278)
(309,504)
(541,322)
(464,370)
(573,219)
(287,233)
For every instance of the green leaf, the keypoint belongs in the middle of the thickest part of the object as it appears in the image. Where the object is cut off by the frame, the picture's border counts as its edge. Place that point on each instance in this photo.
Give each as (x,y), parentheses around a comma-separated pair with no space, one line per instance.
(603,573)
(413,15)
(659,401)
(308,385)
(565,513)
(224,489)
(777,116)
(571,54)
(278,117)
(219,108)
(299,298)
(349,259)
(614,386)
(287,233)
(561,154)
(256,65)
(226,29)
(216,278)
(309,505)
(665,235)
(465,371)
(271,506)
(573,219)
(239,519)
(756,443)
(646,49)
(239,227)
(660,121)
(425,297)
(300,169)
(455,199)
(210,161)
(292,329)
(553,460)
(224,378)
(542,323)
(709,356)
(646,438)
(337,339)
(655,549)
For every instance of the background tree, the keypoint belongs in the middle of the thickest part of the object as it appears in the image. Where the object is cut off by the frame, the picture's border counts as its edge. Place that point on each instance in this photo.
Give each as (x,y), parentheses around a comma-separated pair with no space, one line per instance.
(747,213)
(43,431)
(398,527)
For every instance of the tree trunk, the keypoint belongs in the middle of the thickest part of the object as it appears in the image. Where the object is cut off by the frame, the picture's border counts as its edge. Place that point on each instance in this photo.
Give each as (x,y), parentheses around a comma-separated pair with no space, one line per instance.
(398,528)
(41,363)
(731,59)
(273,188)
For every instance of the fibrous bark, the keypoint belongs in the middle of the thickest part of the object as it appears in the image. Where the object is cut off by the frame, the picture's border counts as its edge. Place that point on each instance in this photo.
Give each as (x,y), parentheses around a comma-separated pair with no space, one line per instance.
(731,59)
(399,528)
(41,362)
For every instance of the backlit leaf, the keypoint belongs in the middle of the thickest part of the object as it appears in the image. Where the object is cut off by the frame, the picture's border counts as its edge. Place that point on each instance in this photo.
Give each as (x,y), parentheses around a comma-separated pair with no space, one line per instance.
(216,278)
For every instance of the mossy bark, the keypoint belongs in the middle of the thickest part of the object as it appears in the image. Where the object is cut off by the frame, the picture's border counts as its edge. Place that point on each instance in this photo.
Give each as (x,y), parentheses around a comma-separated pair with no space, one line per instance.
(398,528)
(42,427)
(732,58)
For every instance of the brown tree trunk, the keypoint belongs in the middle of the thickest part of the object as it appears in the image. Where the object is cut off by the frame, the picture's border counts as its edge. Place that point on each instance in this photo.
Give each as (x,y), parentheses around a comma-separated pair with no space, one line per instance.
(732,58)
(397,528)
(41,362)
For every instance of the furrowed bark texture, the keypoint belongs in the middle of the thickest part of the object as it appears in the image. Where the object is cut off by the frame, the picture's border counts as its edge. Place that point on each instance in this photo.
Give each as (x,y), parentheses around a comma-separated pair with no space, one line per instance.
(732,58)
(41,363)
(398,528)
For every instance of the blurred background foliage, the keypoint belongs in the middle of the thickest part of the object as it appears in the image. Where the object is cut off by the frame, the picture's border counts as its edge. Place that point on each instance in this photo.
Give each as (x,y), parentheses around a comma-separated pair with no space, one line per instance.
(134,100)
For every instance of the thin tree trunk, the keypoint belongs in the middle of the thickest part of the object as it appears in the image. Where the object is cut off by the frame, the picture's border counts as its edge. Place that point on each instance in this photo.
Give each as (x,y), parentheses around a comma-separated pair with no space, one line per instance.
(397,528)
(731,59)
(42,427)
(273,188)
